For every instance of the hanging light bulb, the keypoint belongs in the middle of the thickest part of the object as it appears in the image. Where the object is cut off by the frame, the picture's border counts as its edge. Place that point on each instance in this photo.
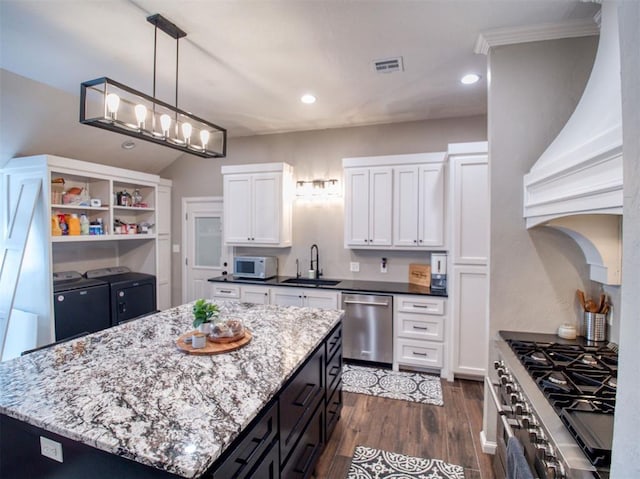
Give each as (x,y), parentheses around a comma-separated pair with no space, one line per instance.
(113,102)
(204,138)
(186,132)
(165,124)
(141,114)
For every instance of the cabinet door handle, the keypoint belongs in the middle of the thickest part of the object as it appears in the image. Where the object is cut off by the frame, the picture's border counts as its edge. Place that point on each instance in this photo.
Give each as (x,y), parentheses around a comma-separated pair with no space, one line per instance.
(414,241)
(309,451)
(309,388)
(228,291)
(257,448)
(418,354)
(421,328)
(420,306)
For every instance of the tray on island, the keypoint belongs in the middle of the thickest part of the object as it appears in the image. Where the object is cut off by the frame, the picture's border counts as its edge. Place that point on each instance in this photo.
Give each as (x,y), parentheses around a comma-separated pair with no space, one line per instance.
(214,346)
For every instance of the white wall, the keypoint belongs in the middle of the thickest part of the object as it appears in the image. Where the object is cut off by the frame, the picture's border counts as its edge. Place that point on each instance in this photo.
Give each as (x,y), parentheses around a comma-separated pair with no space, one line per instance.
(39,119)
(318,154)
(626,447)
(533,90)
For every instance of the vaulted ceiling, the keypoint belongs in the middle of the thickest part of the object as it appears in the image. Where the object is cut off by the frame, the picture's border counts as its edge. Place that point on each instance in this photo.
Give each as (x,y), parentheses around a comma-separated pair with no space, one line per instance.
(245,64)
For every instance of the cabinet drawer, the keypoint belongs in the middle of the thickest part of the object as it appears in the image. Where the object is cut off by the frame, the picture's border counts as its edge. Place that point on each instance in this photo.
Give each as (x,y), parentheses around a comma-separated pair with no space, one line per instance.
(247,453)
(420,353)
(334,370)
(269,466)
(299,400)
(307,450)
(334,342)
(420,304)
(226,291)
(419,326)
(334,407)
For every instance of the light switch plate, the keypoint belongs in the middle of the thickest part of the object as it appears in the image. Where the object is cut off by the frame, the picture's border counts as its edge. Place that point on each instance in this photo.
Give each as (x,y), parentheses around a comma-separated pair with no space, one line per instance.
(354,267)
(51,449)
(175,248)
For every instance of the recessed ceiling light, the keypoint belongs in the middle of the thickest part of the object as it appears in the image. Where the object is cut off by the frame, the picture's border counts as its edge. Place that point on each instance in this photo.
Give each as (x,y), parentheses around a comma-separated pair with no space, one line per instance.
(470,78)
(128,145)
(308,98)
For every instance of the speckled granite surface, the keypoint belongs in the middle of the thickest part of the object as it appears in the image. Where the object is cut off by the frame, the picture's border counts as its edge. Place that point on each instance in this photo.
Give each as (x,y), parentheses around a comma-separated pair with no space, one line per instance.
(129,391)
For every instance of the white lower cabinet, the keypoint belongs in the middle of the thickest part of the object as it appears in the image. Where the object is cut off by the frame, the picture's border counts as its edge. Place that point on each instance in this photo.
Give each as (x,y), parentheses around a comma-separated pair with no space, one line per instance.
(280,295)
(419,332)
(470,294)
(285,296)
(321,299)
(426,354)
(255,294)
(226,291)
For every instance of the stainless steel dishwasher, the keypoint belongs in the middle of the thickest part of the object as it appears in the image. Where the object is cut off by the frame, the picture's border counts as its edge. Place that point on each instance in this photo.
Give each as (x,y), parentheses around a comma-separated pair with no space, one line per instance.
(367,327)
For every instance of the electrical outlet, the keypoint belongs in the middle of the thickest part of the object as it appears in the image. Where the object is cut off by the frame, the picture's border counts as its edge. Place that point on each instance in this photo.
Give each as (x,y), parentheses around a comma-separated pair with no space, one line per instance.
(383,265)
(51,449)
(354,267)
(175,248)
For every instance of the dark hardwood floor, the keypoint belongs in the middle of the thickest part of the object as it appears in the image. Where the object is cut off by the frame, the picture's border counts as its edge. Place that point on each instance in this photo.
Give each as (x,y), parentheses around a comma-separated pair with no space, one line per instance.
(450,432)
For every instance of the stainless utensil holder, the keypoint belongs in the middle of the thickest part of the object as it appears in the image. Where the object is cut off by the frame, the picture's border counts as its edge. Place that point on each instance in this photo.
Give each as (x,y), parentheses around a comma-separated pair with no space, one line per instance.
(595,326)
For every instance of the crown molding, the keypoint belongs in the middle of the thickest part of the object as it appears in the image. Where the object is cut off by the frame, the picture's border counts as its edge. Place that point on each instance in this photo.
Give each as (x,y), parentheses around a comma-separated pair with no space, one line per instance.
(533,33)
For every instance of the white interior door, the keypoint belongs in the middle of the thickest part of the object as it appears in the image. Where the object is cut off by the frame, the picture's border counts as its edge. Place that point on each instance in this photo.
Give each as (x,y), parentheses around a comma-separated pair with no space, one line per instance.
(204,253)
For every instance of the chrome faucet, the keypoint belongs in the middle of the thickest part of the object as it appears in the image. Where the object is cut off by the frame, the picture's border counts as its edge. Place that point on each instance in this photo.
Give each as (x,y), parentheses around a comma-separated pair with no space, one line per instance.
(317,273)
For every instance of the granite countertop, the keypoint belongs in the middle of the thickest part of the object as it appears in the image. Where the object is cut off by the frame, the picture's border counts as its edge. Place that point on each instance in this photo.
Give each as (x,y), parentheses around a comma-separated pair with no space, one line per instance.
(130,391)
(351,285)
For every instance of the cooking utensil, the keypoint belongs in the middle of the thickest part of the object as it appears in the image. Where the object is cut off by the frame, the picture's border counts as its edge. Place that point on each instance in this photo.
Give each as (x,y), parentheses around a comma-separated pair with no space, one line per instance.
(581,299)
(591,306)
(603,302)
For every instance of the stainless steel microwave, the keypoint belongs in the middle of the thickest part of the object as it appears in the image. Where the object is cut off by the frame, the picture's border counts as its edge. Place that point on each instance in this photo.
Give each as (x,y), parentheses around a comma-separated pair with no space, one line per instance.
(255,267)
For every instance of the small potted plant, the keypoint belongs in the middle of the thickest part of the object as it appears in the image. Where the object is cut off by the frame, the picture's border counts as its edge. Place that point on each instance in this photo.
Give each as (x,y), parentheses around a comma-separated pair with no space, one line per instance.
(203,314)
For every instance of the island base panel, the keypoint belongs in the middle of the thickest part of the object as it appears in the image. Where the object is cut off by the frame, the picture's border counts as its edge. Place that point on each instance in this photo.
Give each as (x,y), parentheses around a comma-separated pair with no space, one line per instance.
(20,457)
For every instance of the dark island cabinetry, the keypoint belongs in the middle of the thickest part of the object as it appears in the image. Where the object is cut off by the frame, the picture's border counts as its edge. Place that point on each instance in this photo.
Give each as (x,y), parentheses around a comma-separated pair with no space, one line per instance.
(307,410)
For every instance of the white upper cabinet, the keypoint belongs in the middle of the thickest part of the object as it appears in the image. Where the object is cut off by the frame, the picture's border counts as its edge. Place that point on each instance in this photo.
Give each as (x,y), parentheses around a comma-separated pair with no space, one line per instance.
(368,206)
(258,204)
(405,225)
(470,204)
(395,202)
(419,206)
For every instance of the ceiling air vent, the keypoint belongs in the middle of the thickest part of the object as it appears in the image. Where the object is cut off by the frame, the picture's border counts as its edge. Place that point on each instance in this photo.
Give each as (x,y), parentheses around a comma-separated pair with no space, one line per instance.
(388,65)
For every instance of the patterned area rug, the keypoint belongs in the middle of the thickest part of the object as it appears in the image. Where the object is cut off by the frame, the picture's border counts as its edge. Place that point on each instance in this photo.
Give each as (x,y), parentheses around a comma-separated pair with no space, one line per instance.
(368,463)
(416,387)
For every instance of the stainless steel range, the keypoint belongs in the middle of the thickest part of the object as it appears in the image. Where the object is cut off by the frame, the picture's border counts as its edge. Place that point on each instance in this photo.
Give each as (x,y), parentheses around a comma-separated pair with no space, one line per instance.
(558,398)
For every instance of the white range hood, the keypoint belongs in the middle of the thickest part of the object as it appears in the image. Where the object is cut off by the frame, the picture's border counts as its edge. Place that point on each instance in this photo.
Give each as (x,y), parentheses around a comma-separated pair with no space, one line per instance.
(576,185)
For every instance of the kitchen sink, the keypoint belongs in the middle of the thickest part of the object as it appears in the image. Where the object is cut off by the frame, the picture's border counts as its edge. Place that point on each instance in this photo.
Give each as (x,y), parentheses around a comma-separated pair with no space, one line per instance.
(311,281)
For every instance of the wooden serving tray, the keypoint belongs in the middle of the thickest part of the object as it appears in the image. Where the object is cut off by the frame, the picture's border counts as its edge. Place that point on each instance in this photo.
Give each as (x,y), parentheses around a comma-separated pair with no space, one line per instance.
(213,347)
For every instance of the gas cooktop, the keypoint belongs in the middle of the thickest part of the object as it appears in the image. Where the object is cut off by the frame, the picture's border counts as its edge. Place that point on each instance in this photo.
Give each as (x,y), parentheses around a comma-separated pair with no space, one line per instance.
(579,379)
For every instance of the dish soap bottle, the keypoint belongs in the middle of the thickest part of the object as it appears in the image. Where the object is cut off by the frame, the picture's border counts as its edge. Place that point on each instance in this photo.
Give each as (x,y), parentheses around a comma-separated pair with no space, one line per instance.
(84,224)
(74,225)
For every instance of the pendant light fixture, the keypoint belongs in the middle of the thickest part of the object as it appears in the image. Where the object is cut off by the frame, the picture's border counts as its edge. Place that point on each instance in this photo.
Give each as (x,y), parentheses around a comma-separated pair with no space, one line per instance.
(105,103)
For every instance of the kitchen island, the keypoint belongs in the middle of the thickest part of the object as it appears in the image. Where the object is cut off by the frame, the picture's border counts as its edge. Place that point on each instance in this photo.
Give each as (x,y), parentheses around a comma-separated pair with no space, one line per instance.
(126,402)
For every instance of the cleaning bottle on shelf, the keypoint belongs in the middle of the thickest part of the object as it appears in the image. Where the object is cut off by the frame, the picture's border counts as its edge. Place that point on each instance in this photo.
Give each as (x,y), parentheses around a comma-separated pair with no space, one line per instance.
(84,224)
(64,227)
(55,226)
(74,225)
